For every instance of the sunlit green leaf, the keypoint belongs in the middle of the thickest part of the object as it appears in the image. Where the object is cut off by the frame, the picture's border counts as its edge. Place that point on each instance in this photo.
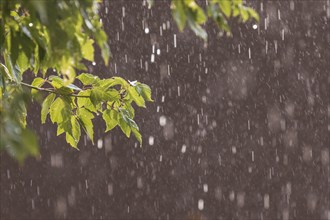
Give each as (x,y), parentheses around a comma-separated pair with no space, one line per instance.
(85,117)
(60,110)
(137,134)
(111,119)
(46,105)
(86,102)
(253,14)
(124,127)
(144,90)
(98,95)
(88,50)
(38,82)
(73,137)
(136,97)
(87,79)
(225,7)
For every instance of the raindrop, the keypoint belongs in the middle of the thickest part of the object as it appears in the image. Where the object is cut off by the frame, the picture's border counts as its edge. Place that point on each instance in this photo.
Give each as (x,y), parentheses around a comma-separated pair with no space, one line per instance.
(160,31)
(205,187)
(234,150)
(162,120)
(146,30)
(110,189)
(99,143)
(200,204)
(232,195)
(152,58)
(32,204)
(151,140)
(255,26)
(183,149)
(174,40)
(266,201)
(30,24)
(93,63)
(158,52)
(240,199)
(123,11)
(86,183)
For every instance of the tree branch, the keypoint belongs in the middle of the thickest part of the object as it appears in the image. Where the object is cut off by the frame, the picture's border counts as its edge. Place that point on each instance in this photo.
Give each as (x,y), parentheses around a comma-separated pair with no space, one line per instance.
(52,91)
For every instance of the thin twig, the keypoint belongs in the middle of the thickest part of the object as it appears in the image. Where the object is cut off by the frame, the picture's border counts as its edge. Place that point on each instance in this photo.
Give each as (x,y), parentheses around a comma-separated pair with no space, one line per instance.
(52,91)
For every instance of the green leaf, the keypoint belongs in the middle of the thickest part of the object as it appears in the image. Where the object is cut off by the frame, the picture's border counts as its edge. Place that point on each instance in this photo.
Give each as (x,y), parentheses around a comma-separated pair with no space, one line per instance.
(5,72)
(13,73)
(86,102)
(136,97)
(37,82)
(60,110)
(137,134)
(113,81)
(56,81)
(225,7)
(244,14)
(87,79)
(179,14)
(124,127)
(73,137)
(125,115)
(99,95)
(197,29)
(195,12)
(23,62)
(46,105)
(85,118)
(111,119)
(253,14)
(88,50)
(145,91)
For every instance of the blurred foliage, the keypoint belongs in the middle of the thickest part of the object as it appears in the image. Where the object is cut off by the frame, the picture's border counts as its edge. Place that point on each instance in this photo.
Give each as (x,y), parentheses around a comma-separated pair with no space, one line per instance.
(38,35)
(220,11)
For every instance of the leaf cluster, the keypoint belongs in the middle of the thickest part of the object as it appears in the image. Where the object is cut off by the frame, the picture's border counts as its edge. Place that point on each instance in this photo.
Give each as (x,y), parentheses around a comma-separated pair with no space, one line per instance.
(57,34)
(188,12)
(73,108)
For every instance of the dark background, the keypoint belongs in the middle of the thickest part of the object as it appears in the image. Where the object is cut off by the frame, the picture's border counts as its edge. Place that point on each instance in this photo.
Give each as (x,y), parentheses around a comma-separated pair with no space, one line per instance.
(253,127)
